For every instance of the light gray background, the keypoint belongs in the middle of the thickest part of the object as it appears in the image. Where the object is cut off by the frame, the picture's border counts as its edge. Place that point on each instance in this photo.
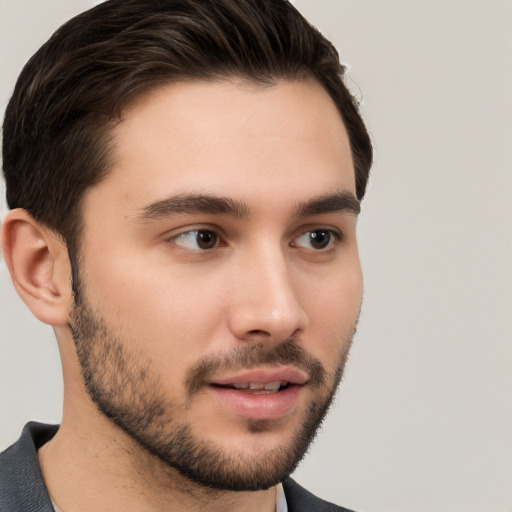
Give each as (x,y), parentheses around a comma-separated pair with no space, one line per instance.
(424,418)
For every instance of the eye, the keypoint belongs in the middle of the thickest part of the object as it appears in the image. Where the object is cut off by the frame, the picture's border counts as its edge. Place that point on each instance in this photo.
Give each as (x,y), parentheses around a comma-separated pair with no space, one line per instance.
(317,239)
(200,239)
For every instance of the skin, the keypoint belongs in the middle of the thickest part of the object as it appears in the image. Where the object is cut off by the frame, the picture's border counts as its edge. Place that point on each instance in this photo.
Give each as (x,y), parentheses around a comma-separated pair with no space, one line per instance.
(171,303)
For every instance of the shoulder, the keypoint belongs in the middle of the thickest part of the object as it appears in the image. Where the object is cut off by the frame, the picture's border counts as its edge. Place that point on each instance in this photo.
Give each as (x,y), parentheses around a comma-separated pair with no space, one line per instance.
(300,499)
(21,483)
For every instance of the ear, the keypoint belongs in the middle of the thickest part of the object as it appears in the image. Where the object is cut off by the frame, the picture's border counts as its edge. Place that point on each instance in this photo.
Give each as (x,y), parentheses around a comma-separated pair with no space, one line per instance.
(39,265)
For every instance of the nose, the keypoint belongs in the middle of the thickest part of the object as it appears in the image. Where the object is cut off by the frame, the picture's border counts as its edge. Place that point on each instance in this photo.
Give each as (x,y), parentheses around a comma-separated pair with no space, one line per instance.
(265,303)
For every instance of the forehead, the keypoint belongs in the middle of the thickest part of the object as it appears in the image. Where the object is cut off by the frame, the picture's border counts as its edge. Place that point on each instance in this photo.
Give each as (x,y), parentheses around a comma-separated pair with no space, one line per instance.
(229,139)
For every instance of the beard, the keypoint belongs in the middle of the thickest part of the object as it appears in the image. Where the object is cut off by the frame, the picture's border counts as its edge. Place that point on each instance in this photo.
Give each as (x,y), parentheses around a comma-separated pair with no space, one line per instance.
(127,389)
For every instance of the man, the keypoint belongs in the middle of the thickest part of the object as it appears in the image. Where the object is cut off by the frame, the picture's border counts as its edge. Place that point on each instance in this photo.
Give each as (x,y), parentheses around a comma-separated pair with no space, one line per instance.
(184,178)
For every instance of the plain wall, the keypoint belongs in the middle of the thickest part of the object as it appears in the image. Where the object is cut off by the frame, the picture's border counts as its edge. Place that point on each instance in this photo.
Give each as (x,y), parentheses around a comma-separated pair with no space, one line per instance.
(423,421)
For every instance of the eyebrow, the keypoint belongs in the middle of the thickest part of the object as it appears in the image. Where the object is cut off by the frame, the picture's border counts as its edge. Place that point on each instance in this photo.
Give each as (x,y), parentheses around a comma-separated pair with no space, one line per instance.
(340,201)
(194,203)
(206,204)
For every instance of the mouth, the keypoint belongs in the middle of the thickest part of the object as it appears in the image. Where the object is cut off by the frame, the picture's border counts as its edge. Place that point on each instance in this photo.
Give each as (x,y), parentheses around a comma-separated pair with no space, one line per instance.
(260,394)
(257,388)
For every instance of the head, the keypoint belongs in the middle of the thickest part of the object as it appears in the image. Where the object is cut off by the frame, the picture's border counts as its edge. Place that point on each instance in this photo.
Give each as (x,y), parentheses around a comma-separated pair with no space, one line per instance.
(202,164)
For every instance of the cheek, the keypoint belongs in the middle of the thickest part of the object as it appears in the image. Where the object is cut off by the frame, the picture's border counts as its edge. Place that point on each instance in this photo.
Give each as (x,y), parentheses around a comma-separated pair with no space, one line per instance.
(170,315)
(333,309)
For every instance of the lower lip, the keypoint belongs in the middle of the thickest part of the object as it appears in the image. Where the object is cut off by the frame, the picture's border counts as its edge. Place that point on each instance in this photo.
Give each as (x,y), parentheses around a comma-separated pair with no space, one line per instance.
(258,407)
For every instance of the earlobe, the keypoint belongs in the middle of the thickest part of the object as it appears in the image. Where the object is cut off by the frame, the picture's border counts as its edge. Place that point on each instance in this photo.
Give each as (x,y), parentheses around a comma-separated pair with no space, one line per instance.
(38,262)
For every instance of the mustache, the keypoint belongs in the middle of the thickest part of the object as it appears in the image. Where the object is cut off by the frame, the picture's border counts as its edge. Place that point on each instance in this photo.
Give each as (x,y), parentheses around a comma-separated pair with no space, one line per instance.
(246,357)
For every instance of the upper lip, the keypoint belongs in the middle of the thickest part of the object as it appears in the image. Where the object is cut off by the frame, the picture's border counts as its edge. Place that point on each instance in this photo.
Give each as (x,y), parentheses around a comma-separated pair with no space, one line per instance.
(263,376)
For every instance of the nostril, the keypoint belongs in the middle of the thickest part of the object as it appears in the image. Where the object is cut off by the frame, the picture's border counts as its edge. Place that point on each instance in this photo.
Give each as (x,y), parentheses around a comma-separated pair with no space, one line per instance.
(259,332)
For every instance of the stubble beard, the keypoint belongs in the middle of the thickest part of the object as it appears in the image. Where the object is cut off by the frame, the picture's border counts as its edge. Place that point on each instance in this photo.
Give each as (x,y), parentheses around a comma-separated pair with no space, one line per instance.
(126,389)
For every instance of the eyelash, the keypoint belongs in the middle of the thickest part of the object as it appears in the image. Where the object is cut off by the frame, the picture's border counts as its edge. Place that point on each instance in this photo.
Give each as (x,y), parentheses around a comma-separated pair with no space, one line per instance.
(334,238)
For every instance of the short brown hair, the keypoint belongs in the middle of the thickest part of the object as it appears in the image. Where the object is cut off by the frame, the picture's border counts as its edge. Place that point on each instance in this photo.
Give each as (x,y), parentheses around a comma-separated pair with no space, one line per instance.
(73,90)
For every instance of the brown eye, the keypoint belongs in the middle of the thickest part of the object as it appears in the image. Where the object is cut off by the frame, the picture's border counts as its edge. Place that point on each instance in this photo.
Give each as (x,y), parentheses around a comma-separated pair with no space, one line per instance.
(197,239)
(320,239)
(317,239)
(206,239)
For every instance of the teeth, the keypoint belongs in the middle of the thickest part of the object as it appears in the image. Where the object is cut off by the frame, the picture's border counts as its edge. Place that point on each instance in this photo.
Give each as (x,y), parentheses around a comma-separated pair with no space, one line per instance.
(269,386)
(258,386)
(273,385)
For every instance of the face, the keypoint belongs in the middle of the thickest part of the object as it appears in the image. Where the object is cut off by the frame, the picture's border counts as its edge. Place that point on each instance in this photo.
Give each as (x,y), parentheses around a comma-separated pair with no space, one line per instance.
(220,282)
